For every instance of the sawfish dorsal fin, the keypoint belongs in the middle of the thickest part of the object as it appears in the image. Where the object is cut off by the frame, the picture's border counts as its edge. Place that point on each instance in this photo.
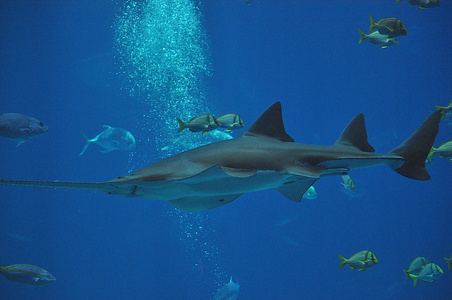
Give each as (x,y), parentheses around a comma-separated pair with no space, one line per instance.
(270,124)
(355,135)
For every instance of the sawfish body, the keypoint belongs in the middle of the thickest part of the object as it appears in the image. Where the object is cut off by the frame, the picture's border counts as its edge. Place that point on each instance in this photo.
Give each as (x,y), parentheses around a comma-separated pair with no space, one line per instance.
(264,157)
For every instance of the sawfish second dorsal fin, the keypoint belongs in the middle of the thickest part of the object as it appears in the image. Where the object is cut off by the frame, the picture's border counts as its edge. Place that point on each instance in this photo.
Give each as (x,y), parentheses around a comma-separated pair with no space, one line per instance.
(270,124)
(355,135)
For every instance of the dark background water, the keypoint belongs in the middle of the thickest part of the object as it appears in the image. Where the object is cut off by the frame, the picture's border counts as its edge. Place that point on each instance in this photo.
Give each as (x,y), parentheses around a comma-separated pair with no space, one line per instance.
(57,65)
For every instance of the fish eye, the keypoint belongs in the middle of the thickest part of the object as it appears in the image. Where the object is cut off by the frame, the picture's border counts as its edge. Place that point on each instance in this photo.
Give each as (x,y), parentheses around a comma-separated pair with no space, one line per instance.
(41,124)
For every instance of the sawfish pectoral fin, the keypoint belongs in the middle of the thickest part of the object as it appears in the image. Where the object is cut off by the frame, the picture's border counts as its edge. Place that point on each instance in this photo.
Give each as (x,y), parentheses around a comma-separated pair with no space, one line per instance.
(294,190)
(199,204)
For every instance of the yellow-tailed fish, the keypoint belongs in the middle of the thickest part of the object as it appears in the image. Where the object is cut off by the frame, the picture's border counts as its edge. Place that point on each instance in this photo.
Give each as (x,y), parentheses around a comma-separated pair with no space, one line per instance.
(203,123)
(444,151)
(361,260)
(230,121)
(449,262)
(348,183)
(416,266)
(377,38)
(444,109)
(392,27)
(429,273)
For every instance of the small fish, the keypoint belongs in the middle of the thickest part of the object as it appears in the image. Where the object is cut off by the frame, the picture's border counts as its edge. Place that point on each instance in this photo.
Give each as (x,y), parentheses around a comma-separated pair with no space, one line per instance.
(112,139)
(429,273)
(204,123)
(445,110)
(449,262)
(219,135)
(361,260)
(310,194)
(392,27)
(229,291)
(20,127)
(27,274)
(416,266)
(230,121)
(444,151)
(423,3)
(377,38)
(348,183)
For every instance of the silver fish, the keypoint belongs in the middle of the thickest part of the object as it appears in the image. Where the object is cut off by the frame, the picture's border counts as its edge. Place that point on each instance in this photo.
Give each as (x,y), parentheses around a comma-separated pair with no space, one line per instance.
(28,274)
(229,291)
(112,139)
(423,4)
(20,127)
(377,38)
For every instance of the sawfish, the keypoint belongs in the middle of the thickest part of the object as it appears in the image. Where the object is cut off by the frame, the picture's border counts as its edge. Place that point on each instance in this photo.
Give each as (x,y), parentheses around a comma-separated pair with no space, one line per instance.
(264,157)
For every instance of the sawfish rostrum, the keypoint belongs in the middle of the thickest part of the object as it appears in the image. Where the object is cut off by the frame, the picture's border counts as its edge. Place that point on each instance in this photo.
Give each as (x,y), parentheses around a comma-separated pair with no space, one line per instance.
(262,158)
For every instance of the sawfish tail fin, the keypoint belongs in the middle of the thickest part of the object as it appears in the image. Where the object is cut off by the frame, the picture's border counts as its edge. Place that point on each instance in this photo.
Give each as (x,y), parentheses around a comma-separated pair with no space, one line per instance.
(416,148)
(87,142)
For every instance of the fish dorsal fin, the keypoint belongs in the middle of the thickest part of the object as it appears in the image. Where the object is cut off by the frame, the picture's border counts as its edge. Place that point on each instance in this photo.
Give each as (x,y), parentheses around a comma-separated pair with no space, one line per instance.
(270,124)
(355,135)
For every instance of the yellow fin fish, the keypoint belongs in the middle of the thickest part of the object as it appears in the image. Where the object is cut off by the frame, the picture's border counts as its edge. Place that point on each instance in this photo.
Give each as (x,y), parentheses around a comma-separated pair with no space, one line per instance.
(449,262)
(203,123)
(361,260)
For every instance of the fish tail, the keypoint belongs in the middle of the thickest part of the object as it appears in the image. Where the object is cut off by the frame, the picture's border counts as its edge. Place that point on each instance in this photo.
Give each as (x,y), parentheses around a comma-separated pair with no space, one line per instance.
(416,280)
(443,109)
(182,125)
(87,142)
(343,261)
(431,153)
(372,23)
(407,275)
(415,149)
(449,262)
(363,36)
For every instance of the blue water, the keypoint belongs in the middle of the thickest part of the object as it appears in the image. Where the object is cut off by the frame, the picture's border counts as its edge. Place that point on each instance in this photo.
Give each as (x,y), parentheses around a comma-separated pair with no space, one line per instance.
(79,65)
